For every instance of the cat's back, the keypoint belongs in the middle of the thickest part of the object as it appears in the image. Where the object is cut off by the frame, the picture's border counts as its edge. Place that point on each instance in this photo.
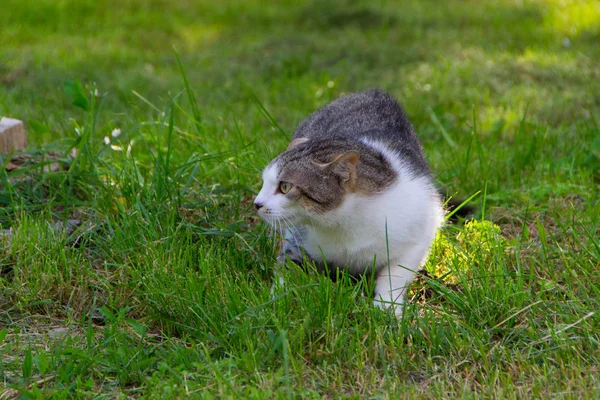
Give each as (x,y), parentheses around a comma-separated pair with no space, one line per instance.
(355,114)
(370,116)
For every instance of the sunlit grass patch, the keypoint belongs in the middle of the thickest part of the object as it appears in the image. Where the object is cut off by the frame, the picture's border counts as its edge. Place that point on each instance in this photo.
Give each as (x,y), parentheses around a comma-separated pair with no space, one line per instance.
(459,259)
(573,17)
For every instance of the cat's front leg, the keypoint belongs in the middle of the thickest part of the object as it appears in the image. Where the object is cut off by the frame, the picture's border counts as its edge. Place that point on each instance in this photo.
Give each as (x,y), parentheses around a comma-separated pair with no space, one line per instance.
(391,284)
(291,250)
(278,281)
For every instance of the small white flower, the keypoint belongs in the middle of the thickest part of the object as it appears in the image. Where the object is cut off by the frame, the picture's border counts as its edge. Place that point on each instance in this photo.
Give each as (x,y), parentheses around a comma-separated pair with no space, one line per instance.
(106,140)
(115,132)
(330,84)
(116,148)
(96,92)
(427,87)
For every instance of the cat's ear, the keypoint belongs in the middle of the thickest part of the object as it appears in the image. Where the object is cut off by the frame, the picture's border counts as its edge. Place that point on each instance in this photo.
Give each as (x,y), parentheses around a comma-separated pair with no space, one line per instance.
(344,165)
(296,142)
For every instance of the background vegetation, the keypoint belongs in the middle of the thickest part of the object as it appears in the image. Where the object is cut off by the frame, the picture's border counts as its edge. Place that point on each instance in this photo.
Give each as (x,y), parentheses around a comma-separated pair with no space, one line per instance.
(163,289)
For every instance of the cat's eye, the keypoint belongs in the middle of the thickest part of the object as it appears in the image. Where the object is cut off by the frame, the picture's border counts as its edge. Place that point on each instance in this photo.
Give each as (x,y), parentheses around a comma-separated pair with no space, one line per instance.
(285,187)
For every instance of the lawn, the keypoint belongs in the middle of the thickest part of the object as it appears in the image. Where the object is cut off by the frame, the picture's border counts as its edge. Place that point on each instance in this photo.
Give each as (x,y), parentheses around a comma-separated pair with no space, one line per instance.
(157,117)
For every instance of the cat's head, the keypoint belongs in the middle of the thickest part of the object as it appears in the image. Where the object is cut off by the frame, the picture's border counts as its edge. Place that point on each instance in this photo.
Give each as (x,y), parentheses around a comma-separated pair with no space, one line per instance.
(309,179)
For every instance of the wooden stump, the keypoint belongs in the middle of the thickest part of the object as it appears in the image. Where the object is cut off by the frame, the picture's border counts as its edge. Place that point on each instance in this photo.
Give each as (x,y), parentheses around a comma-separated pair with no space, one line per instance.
(12,135)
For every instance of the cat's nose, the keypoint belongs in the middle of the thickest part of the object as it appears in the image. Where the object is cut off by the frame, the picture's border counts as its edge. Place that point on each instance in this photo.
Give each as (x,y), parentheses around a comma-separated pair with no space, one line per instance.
(258,205)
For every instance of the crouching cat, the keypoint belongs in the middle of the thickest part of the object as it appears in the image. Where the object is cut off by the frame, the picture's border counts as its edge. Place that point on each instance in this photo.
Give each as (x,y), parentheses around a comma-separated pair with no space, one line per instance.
(353,191)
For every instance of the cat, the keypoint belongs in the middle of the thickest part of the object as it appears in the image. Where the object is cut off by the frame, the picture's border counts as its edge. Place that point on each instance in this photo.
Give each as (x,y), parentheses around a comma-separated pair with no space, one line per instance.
(353,191)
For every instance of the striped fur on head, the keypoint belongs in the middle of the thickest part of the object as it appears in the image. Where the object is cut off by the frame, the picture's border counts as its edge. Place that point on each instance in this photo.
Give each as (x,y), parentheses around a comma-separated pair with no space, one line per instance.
(322,171)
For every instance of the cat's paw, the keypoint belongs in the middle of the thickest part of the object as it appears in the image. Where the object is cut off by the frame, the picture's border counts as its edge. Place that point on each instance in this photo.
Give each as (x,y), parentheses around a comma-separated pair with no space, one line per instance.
(291,253)
(277,286)
(395,307)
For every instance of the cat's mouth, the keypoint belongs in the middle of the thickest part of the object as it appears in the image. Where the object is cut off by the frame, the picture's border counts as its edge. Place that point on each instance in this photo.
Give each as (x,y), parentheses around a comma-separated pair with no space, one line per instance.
(277,220)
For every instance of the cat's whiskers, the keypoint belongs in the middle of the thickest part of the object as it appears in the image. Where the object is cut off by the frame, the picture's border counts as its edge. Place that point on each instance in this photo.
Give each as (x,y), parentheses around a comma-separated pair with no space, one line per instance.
(273,231)
(278,226)
(292,228)
(285,225)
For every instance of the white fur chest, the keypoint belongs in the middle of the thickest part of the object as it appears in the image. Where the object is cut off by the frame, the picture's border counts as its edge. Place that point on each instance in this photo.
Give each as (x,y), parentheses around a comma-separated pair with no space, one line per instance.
(366,231)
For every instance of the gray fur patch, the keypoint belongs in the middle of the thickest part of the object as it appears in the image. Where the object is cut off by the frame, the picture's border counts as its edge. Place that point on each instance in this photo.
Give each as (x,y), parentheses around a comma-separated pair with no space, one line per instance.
(373,115)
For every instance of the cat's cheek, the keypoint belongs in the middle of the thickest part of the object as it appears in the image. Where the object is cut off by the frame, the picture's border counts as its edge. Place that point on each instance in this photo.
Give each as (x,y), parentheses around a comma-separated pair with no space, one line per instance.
(279,203)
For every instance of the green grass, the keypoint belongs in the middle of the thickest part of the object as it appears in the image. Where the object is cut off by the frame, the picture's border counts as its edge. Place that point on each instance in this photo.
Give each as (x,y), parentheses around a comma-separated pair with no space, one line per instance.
(164,290)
